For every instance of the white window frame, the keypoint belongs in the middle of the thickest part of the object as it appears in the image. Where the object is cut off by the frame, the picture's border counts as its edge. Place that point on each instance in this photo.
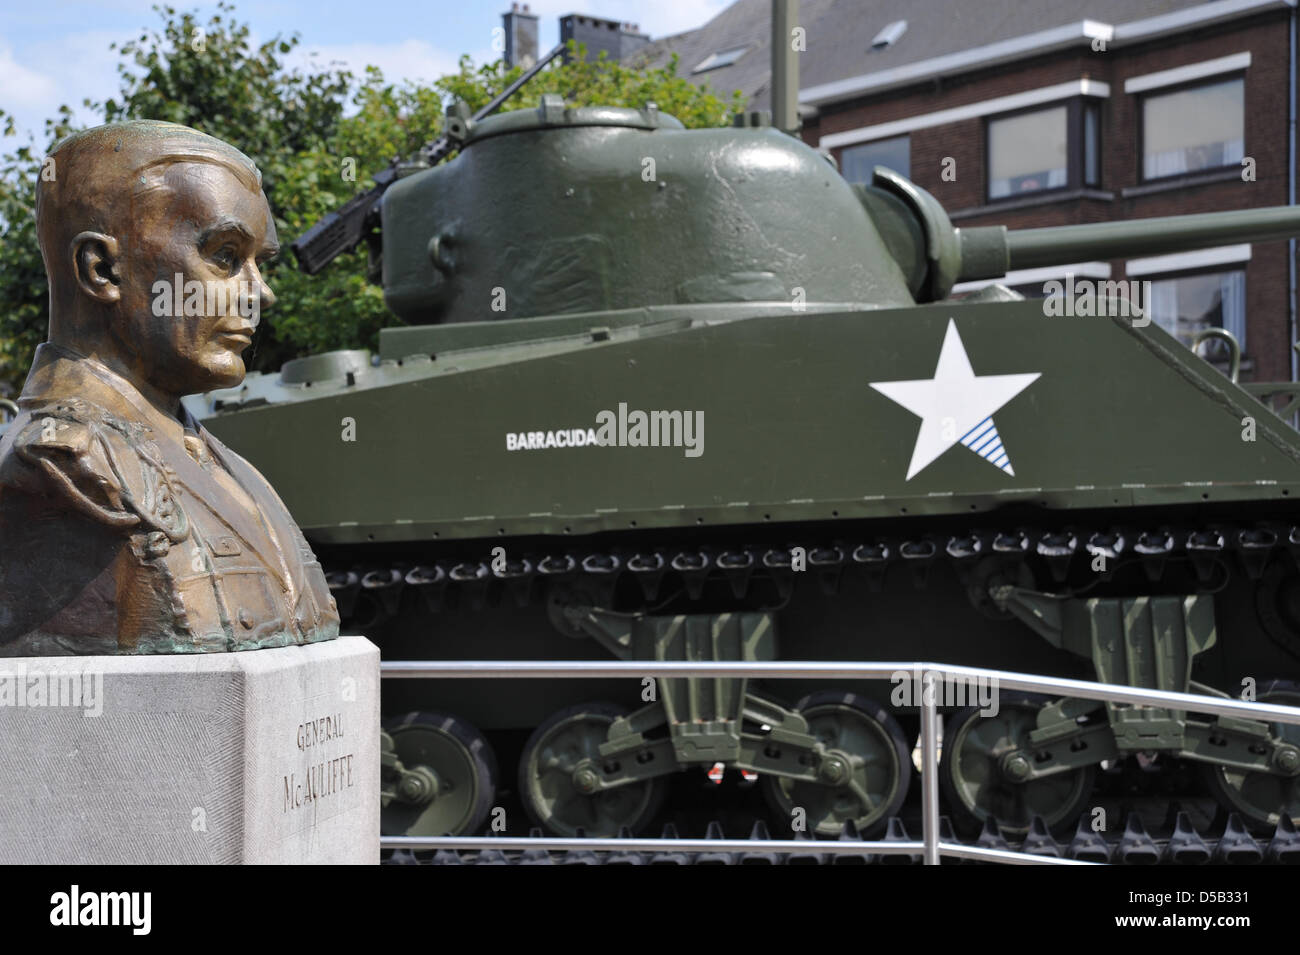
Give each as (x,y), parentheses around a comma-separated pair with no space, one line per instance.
(1187,74)
(990,107)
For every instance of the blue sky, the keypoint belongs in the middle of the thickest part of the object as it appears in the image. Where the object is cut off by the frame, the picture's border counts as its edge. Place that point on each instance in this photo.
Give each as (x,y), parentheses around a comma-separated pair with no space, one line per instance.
(57,52)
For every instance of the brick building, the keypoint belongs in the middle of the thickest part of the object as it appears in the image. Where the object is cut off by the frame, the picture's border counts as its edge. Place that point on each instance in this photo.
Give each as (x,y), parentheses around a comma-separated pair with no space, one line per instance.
(1053,112)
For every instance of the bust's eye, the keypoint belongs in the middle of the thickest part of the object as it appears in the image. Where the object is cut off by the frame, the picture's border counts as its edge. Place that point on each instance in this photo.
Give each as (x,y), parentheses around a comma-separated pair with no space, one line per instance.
(225,257)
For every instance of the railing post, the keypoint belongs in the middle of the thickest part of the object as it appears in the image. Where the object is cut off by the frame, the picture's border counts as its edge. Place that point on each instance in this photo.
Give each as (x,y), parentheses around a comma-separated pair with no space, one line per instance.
(929,769)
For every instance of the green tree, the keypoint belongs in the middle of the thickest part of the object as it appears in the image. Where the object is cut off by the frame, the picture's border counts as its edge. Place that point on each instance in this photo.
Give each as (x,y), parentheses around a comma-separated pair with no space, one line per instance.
(314,152)
(24,314)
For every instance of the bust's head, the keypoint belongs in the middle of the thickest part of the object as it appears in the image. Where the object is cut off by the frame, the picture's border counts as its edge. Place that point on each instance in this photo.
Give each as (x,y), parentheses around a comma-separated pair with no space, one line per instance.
(153,235)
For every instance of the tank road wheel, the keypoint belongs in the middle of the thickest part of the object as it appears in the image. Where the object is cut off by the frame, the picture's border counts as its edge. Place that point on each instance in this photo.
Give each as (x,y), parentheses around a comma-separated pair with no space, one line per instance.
(1261,798)
(446,779)
(867,767)
(977,784)
(553,796)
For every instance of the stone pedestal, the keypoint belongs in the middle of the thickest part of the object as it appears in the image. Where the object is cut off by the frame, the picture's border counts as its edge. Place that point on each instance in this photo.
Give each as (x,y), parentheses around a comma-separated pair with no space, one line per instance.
(261,756)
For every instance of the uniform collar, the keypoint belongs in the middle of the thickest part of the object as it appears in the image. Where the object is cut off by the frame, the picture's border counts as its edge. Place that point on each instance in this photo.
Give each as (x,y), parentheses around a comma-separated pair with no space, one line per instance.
(58,370)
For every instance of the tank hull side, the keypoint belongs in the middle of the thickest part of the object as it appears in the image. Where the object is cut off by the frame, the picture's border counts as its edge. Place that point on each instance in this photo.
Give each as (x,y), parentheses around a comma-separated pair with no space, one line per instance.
(792,421)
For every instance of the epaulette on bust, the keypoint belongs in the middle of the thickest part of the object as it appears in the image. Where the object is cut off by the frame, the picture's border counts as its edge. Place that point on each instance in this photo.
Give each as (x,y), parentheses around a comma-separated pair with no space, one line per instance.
(71,411)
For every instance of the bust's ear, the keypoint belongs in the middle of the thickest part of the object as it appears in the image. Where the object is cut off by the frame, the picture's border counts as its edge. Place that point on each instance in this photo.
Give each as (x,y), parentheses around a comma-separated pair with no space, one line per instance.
(94,255)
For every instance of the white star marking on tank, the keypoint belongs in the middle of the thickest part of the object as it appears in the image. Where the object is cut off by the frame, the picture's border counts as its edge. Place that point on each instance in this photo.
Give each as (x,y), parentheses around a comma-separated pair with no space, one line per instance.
(956,406)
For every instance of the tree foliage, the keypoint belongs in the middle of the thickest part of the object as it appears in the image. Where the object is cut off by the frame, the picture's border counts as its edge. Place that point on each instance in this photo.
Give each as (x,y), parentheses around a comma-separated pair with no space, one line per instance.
(316,134)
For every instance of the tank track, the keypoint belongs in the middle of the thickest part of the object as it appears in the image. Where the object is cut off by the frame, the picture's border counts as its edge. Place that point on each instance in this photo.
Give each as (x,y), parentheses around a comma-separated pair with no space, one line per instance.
(1184,845)
(1137,559)
(1059,552)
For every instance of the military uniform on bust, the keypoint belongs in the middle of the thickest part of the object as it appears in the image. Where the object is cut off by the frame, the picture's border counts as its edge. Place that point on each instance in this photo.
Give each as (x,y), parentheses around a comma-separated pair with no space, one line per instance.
(140,534)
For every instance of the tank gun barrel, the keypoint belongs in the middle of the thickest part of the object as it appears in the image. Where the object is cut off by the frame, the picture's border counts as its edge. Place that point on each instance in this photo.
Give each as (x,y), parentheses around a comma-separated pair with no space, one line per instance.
(934,256)
(1058,245)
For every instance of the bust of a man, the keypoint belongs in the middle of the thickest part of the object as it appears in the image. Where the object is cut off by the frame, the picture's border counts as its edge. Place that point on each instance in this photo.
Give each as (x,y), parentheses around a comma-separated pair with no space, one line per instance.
(124,526)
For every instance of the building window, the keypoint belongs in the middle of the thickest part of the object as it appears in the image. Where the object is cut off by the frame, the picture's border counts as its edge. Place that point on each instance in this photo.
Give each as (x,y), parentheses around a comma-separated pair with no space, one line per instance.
(1045,149)
(1188,304)
(856,162)
(715,61)
(1027,153)
(889,36)
(1193,129)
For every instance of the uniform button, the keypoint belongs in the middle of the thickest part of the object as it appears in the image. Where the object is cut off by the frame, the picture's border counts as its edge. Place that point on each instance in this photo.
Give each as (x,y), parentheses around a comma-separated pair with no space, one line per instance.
(245,618)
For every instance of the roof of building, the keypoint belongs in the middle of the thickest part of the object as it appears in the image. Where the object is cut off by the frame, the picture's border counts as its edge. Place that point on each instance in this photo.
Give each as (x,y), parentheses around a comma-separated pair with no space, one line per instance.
(941,38)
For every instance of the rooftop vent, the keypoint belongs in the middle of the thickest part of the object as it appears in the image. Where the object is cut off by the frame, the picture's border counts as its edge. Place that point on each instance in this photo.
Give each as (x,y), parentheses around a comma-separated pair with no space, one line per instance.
(888,36)
(715,61)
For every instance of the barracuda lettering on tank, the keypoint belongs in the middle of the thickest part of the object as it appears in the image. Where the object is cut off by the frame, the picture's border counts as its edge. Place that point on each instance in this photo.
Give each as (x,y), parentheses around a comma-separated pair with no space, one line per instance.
(622,429)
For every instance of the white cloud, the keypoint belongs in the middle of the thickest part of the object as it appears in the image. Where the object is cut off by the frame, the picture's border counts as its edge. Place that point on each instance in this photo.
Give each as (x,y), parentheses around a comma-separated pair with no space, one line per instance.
(414,60)
(27,94)
(81,65)
(50,74)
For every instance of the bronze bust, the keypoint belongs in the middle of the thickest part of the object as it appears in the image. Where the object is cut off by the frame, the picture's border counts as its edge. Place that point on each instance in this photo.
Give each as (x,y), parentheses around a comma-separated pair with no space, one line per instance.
(124,526)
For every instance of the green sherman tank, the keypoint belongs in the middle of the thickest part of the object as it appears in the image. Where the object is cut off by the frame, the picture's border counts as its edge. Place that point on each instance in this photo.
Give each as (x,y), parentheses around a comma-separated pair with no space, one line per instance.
(671,394)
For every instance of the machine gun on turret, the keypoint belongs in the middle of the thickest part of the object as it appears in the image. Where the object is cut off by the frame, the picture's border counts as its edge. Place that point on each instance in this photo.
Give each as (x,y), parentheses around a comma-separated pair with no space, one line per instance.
(342,231)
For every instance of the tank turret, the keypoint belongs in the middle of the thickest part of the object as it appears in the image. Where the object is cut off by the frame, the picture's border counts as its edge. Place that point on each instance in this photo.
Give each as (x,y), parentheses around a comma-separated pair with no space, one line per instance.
(560,210)
(587,209)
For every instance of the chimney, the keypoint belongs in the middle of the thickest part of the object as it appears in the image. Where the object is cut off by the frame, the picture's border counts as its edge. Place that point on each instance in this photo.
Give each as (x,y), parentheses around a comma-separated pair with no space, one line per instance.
(521,36)
(631,39)
(615,38)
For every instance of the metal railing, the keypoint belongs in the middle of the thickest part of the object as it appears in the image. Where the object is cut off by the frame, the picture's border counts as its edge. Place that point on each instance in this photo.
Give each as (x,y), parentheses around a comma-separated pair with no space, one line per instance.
(930,846)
